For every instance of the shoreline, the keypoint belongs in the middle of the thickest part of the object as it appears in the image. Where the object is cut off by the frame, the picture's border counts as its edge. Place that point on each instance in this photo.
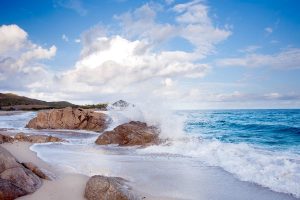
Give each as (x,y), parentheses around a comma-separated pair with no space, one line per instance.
(64,186)
(148,175)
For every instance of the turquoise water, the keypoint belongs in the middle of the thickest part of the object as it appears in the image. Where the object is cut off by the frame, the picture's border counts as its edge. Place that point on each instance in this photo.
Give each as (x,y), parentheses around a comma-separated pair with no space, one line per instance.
(274,129)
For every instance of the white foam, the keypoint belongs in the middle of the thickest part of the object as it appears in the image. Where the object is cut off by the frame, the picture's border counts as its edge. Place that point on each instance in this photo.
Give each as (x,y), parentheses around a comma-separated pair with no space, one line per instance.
(279,171)
(171,125)
(16,121)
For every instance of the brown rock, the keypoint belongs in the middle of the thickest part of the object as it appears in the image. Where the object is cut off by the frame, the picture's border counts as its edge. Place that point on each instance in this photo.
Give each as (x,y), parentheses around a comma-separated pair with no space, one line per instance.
(106,188)
(21,137)
(15,179)
(37,171)
(8,191)
(69,118)
(5,138)
(129,134)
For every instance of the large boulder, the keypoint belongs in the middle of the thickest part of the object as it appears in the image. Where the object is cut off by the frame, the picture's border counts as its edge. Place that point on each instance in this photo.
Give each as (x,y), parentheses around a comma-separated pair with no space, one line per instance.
(15,179)
(106,188)
(21,137)
(69,118)
(129,134)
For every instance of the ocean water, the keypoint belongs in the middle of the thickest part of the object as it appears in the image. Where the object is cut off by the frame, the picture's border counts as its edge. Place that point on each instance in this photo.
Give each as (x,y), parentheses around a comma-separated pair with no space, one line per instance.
(210,154)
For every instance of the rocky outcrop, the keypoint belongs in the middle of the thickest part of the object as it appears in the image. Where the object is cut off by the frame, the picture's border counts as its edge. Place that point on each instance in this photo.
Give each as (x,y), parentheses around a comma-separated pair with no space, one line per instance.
(38,171)
(129,134)
(69,118)
(15,179)
(37,138)
(21,137)
(5,138)
(105,188)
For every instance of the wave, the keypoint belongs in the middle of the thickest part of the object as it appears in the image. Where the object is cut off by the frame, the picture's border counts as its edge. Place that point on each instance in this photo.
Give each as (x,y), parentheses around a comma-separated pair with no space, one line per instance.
(279,171)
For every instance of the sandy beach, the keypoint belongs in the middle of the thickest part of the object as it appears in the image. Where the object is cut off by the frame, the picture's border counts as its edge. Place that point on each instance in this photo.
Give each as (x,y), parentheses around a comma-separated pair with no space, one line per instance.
(65,185)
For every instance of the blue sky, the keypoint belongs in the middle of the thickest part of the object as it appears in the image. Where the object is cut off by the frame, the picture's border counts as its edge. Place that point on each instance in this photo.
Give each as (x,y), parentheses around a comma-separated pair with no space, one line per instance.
(187,54)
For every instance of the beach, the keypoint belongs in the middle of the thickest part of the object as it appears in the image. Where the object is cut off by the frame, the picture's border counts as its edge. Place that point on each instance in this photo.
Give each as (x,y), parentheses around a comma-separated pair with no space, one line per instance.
(183,169)
(64,186)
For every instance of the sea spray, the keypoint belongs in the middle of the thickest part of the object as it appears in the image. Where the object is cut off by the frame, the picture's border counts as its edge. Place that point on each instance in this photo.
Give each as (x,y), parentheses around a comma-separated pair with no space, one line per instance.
(171,126)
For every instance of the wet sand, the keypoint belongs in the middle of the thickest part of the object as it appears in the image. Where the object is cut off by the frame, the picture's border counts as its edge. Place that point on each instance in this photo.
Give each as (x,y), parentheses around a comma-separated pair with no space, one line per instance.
(65,185)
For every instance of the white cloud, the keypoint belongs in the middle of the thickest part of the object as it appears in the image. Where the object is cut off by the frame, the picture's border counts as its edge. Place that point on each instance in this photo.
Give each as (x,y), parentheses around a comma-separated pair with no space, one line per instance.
(129,61)
(286,59)
(118,64)
(192,23)
(64,38)
(19,59)
(141,24)
(12,38)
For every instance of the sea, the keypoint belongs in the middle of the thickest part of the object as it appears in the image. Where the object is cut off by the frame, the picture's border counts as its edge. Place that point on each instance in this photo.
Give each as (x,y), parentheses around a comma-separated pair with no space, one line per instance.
(208,154)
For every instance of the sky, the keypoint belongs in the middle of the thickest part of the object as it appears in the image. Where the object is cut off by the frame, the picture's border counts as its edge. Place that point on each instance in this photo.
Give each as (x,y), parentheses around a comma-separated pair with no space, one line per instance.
(200,54)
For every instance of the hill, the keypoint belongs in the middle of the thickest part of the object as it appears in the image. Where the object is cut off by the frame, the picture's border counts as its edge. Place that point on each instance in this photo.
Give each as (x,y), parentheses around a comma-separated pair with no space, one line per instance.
(9,101)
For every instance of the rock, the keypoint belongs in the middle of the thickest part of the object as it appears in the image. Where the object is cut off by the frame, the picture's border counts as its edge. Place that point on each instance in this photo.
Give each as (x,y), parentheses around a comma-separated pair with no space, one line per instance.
(120,105)
(37,171)
(5,138)
(69,118)
(21,137)
(129,134)
(15,179)
(9,191)
(107,188)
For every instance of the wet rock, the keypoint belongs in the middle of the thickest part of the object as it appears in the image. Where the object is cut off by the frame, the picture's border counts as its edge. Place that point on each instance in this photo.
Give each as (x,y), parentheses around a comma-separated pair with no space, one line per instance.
(5,138)
(39,172)
(107,188)
(21,137)
(15,179)
(129,134)
(69,118)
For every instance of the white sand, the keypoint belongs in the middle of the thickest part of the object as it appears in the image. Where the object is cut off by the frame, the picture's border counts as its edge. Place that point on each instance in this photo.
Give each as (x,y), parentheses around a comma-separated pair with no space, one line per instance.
(65,186)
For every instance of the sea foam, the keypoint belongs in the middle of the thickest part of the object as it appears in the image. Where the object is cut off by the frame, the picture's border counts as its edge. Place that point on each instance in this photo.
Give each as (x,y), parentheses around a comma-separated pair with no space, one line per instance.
(279,171)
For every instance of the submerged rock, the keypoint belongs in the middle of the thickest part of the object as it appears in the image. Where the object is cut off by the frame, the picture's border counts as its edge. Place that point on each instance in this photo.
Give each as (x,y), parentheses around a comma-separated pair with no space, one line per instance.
(107,188)
(129,134)
(37,138)
(69,118)
(15,179)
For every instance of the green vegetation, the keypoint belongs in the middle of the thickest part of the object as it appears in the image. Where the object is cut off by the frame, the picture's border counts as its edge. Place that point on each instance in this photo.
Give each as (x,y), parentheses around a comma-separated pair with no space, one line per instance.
(101,106)
(11,101)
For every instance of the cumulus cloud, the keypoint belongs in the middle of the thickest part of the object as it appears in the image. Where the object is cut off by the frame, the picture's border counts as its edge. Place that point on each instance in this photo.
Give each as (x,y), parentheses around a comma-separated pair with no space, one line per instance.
(132,58)
(119,63)
(129,60)
(192,23)
(12,38)
(19,59)
(286,59)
